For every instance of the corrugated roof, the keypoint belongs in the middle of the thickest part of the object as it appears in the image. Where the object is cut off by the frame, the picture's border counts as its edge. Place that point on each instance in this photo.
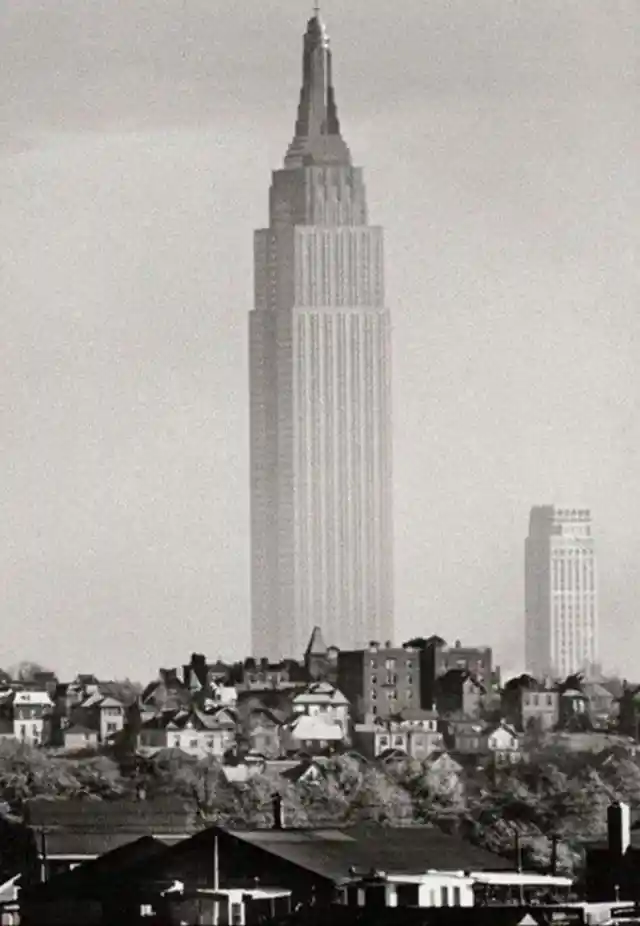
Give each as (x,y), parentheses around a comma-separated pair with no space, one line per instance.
(91,816)
(412,849)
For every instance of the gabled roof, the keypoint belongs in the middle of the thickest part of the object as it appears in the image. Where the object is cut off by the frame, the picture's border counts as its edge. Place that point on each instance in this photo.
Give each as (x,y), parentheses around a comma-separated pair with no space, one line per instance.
(441,755)
(330,853)
(507,727)
(110,702)
(321,693)
(199,720)
(304,727)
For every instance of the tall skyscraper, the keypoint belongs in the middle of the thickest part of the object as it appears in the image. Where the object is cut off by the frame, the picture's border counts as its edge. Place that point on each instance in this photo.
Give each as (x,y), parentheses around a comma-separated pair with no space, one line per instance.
(320,387)
(561,592)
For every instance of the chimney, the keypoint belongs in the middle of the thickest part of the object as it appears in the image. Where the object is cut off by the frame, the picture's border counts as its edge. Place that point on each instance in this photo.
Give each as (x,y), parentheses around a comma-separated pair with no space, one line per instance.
(278,815)
(618,828)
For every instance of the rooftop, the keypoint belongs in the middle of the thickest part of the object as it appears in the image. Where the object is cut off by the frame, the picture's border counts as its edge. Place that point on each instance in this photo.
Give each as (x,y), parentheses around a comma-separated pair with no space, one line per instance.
(330,853)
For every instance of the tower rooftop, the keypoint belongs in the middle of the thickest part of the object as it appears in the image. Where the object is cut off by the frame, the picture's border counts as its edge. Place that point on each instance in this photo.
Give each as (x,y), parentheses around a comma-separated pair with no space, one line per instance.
(317,138)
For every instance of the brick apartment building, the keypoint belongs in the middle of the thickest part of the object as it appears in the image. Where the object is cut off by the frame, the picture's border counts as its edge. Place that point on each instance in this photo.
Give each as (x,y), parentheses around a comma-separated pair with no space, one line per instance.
(380,681)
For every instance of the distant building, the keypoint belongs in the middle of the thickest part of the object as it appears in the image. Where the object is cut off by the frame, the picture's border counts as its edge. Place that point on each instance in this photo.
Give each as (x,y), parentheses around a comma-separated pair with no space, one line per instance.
(437,657)
(321,699)
(416,736)
(459,692)
(320,660)
(320,383)
(30,716)
(380,681)
(561,593)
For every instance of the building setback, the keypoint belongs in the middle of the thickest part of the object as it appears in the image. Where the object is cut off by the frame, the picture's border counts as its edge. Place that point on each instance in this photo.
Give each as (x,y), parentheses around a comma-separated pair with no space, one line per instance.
(561,595)
(320,393)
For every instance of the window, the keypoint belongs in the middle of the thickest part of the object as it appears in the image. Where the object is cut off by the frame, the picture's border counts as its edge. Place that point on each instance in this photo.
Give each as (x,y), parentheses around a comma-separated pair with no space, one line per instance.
(408,895)
(390,664)
(193,744)
(236,914)
(457,897)
(444,896)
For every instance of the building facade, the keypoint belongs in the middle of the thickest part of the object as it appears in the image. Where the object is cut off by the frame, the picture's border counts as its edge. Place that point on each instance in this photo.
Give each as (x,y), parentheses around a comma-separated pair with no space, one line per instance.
(561,592)
(320,393)
(380,681)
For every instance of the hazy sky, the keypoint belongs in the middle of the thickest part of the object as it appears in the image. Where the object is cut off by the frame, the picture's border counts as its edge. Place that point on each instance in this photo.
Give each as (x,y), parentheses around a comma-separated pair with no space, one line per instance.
(500,140)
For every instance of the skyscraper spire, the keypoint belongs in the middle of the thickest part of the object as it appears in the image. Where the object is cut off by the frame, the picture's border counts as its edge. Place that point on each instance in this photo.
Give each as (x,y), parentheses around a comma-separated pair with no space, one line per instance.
(317,138)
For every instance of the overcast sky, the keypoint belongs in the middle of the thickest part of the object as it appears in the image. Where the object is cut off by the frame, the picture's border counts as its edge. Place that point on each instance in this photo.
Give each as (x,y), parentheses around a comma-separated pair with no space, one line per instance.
(500,140)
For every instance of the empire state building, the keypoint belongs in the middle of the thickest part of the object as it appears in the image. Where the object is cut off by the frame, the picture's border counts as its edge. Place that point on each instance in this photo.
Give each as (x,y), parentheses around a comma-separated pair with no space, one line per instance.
(320,393)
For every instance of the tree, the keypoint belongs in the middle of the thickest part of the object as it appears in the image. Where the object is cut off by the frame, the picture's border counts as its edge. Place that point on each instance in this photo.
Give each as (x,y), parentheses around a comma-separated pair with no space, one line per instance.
(26,773)
(27,671)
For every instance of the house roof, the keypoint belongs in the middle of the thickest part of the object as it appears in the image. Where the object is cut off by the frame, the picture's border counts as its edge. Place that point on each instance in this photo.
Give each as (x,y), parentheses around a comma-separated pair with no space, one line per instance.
(305,727)
(320,692)
(440,756)
(110,701)
(331,852)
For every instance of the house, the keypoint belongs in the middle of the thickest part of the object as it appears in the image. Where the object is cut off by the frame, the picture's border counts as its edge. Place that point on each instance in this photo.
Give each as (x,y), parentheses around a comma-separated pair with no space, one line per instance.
(602,703)
(502,743)
(412,732)
(112,716)
(208,685)
(260,674)
(574,711)
(465,736)
(323,699)
(30,711)
(192,731)
(262,731)
(538,709)
(167,692)
(77,738)
(239,769)
(314,735)
(436,657)
(458,691)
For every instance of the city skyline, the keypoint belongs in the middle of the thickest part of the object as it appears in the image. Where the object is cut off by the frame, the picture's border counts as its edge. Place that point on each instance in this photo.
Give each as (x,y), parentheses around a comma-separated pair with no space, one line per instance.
(500,149)
(320,392)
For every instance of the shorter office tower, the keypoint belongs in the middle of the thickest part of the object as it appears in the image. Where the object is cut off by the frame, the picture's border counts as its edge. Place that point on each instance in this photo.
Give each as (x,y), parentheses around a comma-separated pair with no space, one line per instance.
(561,595)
